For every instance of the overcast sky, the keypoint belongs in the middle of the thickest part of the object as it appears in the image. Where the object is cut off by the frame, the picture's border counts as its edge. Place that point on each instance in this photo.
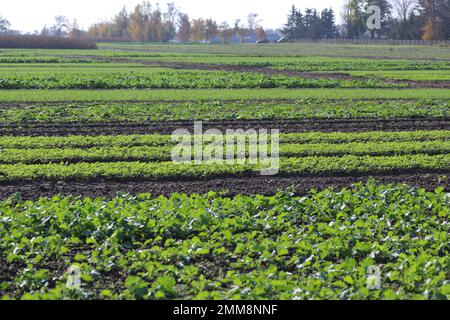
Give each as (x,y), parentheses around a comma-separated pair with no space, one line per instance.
(30,15)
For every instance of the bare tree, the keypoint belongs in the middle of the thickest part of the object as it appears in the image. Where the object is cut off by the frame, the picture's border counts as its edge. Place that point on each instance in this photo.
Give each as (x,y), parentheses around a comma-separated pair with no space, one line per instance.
(184,27)
(210,29)
(241,30)
(169,28)
(74,30)
(225,32)
(172,13)
(253,21)
(403,7)
(198,30)
(61,26)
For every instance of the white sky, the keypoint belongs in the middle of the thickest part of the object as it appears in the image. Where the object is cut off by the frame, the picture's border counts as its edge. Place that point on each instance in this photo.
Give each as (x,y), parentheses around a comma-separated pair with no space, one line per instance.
(30,15)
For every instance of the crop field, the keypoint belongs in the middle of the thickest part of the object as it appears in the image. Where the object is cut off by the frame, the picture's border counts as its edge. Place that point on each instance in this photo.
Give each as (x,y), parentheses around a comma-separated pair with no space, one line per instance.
(88,180)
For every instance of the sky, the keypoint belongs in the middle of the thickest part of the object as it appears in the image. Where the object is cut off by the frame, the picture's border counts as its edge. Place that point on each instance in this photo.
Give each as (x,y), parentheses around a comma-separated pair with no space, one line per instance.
(30,15)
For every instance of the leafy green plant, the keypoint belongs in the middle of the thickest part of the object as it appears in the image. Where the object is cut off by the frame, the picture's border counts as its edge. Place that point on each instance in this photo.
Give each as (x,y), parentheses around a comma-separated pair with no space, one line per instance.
(314,247)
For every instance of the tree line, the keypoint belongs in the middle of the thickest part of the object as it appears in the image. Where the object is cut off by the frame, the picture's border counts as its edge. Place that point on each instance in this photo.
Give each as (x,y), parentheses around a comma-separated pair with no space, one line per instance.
(310,25)
(149,23)
(400,19)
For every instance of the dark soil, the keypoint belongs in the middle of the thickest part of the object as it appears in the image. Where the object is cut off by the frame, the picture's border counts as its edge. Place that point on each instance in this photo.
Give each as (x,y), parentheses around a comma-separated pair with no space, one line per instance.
(231,186)
(285,126)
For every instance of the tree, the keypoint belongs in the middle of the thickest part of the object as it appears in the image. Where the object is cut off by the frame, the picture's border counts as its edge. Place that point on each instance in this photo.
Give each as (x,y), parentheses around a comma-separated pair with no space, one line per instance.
(61,26)
(312,24)
(261,34)
(403,8)
(153,23)
(136,25)
(74,30)
(405,26)
(120,24)
(101,30)
(210,29)
(294,27)
(299,25)
(436,15)
(354,20)
(241,31)
(4,25)
(328,24)
(253,21)
(430,31)
(198,30)
(225,32)
(44,32)
(184,27)
(169,28)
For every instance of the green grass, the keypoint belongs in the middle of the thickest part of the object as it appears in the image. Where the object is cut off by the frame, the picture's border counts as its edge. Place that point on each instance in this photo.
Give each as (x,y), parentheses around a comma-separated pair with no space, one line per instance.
(218,94)
(207,247)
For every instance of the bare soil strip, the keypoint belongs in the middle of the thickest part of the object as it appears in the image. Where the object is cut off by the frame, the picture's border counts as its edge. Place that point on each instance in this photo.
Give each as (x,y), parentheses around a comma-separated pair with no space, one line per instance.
(285,126)
(230,186)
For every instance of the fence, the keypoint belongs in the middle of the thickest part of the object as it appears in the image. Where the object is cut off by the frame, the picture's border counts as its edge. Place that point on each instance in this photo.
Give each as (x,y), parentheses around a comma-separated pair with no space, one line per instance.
(377,42)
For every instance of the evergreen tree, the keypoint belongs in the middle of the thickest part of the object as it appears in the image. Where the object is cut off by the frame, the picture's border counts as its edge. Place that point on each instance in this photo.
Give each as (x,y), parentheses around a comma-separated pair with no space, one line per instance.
(299,25)
(289,29)
(328,22)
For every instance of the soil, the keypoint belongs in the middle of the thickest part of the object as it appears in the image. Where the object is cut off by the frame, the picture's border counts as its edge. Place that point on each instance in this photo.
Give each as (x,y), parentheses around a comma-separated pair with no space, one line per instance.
(231,186)
(285,126)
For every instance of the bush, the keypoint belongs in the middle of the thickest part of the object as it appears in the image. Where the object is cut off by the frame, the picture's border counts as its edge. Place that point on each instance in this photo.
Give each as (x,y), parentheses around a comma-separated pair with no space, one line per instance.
(41,42)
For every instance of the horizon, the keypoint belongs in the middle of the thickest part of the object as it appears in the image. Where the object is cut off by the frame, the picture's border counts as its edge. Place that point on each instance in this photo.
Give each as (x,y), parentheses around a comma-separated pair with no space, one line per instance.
(38,15)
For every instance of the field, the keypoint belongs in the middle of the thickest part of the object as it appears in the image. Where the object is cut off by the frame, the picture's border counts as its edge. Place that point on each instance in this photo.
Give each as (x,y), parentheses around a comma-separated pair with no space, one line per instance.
(87,178)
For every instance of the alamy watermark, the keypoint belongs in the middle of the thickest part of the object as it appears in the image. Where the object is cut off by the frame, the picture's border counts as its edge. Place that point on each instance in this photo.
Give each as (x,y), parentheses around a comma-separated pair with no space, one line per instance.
(374,278)
(252,147)
(374,20)
(73,278)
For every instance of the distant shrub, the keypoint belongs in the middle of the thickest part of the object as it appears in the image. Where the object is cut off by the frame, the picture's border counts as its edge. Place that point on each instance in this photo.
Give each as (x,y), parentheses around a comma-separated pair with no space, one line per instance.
(41,42)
